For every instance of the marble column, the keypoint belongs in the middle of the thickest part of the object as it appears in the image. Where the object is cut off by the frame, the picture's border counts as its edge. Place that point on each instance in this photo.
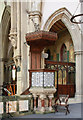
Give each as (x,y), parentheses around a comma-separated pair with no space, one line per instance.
(35,104)
(42,97)
(50,101)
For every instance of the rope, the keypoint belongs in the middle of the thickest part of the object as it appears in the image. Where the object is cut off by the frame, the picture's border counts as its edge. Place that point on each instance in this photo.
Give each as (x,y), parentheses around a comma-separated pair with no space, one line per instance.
(76,8)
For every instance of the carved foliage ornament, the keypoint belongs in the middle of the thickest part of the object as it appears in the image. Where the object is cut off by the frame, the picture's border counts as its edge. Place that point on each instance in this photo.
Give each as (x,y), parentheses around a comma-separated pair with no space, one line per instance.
(13,39)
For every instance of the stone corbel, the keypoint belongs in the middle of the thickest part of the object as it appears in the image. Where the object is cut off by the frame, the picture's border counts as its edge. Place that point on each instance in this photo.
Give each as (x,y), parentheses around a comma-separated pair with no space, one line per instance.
(17,61)
(35,13)
(13,39)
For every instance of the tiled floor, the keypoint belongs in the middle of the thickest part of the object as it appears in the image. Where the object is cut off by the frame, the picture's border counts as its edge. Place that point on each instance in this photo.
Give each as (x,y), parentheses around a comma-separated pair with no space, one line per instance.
(75,112)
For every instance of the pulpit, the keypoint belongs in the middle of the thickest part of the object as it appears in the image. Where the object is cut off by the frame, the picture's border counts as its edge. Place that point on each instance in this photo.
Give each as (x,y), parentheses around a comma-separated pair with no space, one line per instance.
(42,80)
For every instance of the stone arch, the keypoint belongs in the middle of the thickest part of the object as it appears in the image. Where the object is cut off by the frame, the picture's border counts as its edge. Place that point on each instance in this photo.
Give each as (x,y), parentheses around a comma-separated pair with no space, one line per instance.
(6,24)
(6,44)
(64,15)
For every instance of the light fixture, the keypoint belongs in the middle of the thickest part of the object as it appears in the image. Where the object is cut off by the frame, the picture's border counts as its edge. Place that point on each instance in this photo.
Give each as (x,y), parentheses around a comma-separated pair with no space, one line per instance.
(80,21)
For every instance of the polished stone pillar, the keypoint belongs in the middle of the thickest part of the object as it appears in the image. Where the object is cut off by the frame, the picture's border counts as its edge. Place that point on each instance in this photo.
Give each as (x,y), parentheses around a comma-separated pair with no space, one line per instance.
(50,101)
(35,104)
(42,97)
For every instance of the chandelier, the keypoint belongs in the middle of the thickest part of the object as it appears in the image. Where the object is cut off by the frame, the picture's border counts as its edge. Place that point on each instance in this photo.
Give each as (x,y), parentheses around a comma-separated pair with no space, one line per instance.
(80,21)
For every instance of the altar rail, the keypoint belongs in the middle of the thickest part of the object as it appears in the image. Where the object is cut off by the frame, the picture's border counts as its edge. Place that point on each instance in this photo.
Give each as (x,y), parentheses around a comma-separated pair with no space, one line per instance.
(15,105)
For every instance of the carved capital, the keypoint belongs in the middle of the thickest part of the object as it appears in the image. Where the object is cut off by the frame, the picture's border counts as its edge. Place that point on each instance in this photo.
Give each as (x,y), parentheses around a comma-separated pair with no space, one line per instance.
(78,52)
(17,60)
(42,96)
(50,96)
(13,39)
(35,13)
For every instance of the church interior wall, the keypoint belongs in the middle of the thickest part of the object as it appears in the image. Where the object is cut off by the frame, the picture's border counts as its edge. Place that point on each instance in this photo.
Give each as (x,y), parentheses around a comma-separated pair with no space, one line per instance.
(55,5)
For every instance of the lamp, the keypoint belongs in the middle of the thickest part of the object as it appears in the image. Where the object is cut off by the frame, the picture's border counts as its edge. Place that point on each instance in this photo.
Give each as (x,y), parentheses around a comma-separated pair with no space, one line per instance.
(78,15)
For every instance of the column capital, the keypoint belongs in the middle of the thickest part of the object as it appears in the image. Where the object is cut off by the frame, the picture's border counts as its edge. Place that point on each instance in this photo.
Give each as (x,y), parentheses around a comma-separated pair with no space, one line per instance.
(34,13)
(17,60)
(50,96)
(78,52)
(35,95)
(42,96)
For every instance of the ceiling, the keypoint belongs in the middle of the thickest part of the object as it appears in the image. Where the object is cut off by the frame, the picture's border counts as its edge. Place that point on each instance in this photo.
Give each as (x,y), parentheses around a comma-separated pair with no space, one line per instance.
(58,27)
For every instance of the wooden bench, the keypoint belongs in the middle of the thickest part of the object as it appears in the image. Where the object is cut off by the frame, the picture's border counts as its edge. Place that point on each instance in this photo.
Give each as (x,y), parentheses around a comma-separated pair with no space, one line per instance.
(62,100)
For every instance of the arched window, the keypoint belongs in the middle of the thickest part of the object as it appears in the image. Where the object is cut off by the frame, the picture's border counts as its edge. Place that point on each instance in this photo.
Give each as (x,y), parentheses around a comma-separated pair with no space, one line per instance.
(63,53)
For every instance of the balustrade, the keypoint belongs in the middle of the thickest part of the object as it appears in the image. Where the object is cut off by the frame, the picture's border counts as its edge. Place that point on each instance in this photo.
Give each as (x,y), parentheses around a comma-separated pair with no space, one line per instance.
(64,76)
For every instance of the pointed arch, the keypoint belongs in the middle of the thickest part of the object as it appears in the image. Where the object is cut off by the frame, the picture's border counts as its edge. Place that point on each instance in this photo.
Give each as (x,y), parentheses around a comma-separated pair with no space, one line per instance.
(64,15)
(6,24)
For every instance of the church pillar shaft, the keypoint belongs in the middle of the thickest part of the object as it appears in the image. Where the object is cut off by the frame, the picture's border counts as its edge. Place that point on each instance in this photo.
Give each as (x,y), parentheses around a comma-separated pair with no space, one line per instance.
(79,75)
(50,101)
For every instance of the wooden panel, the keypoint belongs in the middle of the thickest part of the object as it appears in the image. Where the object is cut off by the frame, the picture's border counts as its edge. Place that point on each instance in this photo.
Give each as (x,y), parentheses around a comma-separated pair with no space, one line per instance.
(38,62)
(66,89)
(33,63)
(59,63)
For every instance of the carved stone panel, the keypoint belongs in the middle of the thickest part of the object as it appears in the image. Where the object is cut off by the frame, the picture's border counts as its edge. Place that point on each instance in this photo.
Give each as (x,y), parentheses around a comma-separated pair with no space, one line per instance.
(37,79)
(48,79)
(23,105)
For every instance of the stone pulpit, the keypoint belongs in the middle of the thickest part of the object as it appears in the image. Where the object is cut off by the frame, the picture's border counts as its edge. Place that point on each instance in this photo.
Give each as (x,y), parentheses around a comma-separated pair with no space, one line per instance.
(42,80)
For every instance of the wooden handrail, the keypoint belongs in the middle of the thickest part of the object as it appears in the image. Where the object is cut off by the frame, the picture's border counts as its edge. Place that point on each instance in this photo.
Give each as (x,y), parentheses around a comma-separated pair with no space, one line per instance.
(59,63)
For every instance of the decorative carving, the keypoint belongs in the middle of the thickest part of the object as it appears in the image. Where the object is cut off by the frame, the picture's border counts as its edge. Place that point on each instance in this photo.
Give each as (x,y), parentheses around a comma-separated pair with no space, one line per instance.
(42,79)
(13,39)
(48,79)
(78,52)
(17,60)
(37,79)
(37,27)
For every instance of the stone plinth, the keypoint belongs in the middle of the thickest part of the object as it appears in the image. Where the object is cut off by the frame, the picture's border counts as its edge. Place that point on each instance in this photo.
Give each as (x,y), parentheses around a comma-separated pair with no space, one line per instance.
(43,94)
(42,87)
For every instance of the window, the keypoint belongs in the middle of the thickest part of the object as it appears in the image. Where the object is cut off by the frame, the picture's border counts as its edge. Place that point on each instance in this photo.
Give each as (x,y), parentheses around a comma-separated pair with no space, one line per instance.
(63,53)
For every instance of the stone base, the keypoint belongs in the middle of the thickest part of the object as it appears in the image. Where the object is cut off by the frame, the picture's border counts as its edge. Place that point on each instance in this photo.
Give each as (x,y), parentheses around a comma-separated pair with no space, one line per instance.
(44,112)
(45,96)
(40,90)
